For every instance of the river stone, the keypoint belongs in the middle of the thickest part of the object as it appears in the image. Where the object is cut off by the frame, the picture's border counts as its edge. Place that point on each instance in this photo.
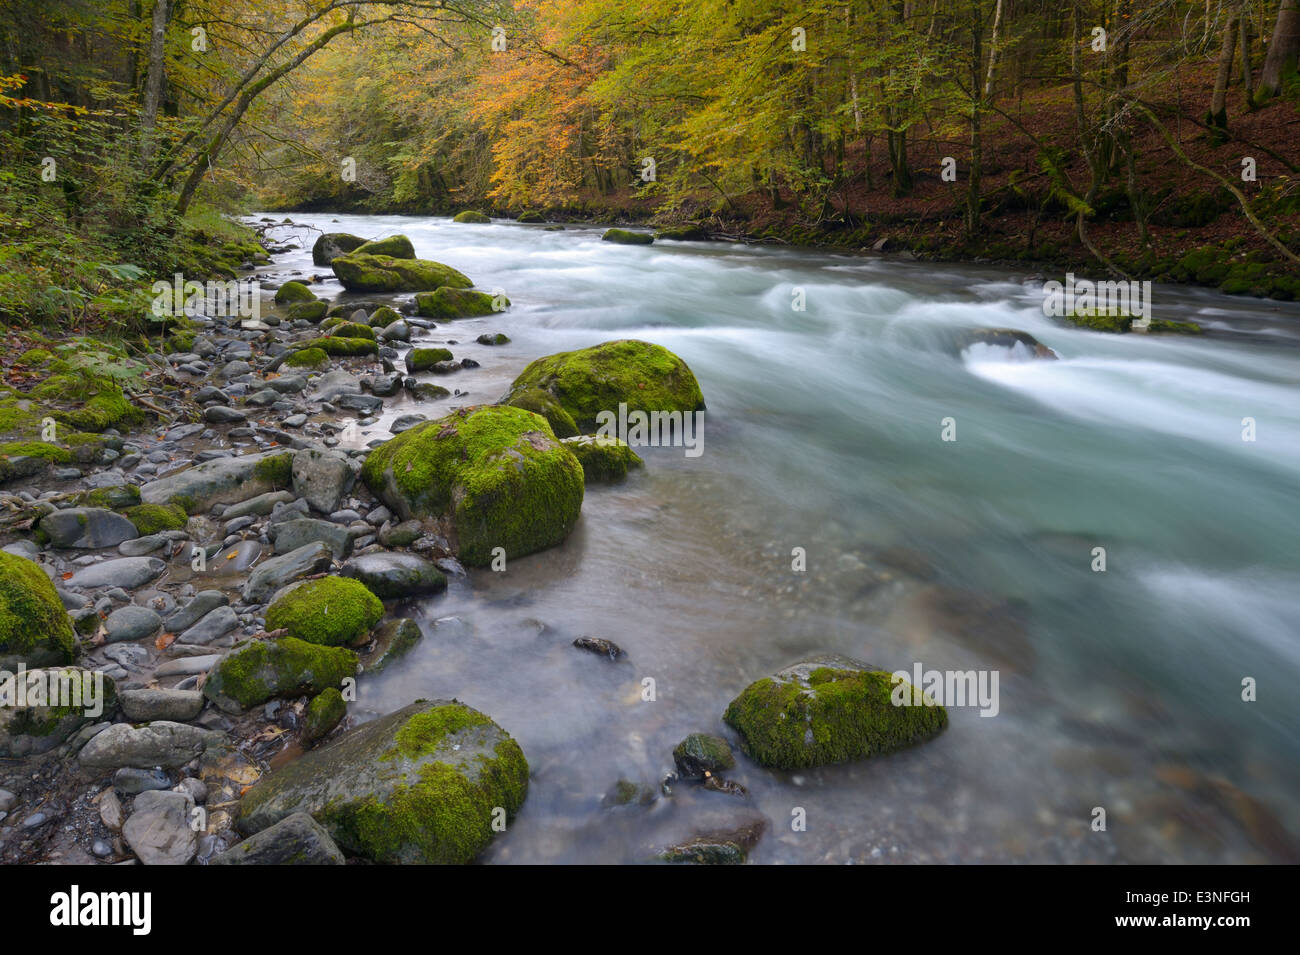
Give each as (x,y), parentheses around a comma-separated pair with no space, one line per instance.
(129,781)
(333,244)
(323,478)
(270,576)
(389,641)
(260,505)
(219,414)
(830,709)
(161,743)
(143,545)
(221,481)
(383,273)
(297,839)
(262,670)
(144,705)
(187,666)
(36,727)
(216,623)
(390,575)
(701,753)
(199,606)
(87,527)
(131,623)
(498,472)
(158,830)
(125,572)
(290,535)
(417,786)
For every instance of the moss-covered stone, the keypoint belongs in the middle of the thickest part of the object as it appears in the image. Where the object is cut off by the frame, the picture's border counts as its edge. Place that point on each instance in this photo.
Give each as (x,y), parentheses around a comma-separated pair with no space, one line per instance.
(396,246)
(829,710)
(424,785)
(331,611)
(333,244)
(152,518)
(106,408)
(57,702)
(34,627)
(36,449)
(338,346)
(307,311)
(291,292)
(308,358)
(422,359)
(702,753)
(603,459)
(261,670)
(353,330)
(325,711)
(384,316)
(451,303)
(583,383)
(469,215)
(626,237)
(684,233)
(531,216)
(383,273)
(497,472)
(115,497)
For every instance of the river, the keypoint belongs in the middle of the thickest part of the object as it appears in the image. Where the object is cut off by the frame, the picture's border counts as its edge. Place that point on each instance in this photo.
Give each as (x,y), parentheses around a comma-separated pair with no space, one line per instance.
(1119,690)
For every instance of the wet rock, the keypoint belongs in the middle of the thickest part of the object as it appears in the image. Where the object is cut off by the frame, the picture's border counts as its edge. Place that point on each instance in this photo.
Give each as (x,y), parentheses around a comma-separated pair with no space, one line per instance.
(323,478)
(146,705)
(392,773)
(158,830)
(131,623)
(260,670)
(143,545)
(222,481)
(1016,341)
(258,506)
(129,780)
(325,711)
(87,527)
(216,623)
(607,648)
(291,535)
(270,576)
(297,839)
(162,743)
(717,848)
(701,753)
(389,641)
(389,575)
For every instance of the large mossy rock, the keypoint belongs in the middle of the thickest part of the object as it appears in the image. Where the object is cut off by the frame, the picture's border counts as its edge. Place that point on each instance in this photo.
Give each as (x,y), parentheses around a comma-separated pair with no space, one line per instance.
(42,722)
(262,670)
(384,273)
(423,785)
(34,627)
(333,244)
(830,709)
(603,459)
(330,611)
(470,215)
(450,303)
(291,292)
(498,473)
(570,388)
(397,246)
(627,237)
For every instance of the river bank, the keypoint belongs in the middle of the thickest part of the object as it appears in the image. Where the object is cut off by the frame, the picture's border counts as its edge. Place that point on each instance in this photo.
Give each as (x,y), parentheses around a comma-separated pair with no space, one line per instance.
(823,433)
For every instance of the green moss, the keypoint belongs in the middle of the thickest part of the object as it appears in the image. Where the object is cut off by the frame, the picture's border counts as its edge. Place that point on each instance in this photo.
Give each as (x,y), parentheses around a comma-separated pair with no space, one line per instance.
(291,292)
(397,246)
(276,470)
(325,711)
(353,330)
(591,380)
(683,233)
(422,359)
(498,471)
(308,358)
(33,623)
(840,715)
(334,321)
(541,402)
(307,311)
(624,237)
(384,316)
(700,753)
(261,670)
(531,216)
(423,732)
(36,449)
(603,459)
(383,273)
(106,408)
(331,611)
(1177,328)
(153,518)
(33,358)
(469,215)
(342,346)
(1101,320)
(452,303)
(113,498)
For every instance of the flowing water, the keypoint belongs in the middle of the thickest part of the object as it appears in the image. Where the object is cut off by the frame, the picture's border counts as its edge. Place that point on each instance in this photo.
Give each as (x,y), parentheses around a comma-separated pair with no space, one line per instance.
(1120,690)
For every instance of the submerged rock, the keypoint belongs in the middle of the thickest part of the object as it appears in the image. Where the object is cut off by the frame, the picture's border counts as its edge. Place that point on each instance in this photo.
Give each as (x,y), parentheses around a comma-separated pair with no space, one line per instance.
(390,640)
(497,472)
(627,237)
(423,785)
(717,848)
(700,754)
(830,709)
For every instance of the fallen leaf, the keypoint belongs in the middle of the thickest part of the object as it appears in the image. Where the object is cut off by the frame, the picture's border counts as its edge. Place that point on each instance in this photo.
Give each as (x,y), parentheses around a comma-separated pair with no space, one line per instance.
(164,641)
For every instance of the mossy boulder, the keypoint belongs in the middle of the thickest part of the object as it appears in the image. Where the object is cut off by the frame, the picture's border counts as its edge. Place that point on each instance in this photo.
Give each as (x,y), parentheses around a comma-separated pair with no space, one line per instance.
(497,473)
(291,292)
(626,237)
(683,233)
(114,497)
(353,330)
(34,627)
(396,246)
(383,316)
(308,358)
(340,346)
(331,611)
(422,359)
(702,753)
(423,785)
(383,273)
(469,215)
(333,244)
(106,407)
(325,711)
(152,518)
(583,383)
(531,216)
(451,303)
(830,709)
(43,721)
(262,670)
(603,459)
(307,311)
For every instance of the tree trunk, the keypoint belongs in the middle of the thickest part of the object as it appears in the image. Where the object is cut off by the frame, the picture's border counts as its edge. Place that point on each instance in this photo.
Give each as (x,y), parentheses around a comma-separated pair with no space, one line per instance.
(1247,75)
(1217,117)
(1283,49)
(154,83)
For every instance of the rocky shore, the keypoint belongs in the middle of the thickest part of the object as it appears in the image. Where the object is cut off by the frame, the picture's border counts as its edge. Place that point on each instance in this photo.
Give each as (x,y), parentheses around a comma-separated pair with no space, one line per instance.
(191,532)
